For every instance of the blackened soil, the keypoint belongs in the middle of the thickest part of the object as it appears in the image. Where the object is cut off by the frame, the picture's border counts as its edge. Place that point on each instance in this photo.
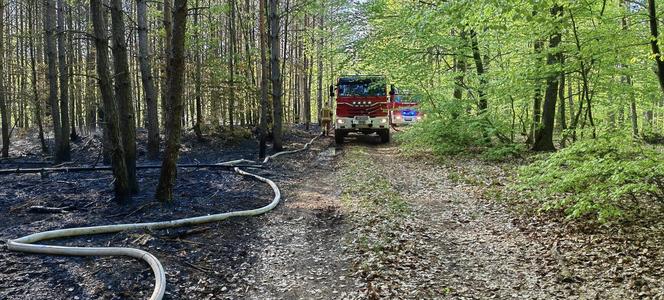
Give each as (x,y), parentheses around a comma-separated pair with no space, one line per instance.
(213,261)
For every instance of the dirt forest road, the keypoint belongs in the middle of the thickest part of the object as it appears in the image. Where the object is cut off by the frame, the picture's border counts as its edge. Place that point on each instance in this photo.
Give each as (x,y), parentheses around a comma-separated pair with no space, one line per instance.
(362,221)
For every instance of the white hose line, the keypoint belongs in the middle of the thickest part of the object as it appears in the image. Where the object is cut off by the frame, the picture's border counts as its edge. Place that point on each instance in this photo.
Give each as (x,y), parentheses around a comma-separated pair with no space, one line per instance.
(27,243)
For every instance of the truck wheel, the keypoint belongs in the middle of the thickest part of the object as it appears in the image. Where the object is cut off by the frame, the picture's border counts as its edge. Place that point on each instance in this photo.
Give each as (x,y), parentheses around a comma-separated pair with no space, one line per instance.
(339,137)
(385,136)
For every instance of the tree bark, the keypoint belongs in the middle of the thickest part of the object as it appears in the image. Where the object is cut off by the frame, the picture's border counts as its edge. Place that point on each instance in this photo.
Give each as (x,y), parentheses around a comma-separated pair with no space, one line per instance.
(275,75)
(112,122)
(168,39)
(265,69)
(479,66)
(52,61)
(231,64)
(3,105)
(320,69)
(197,81)
(654,42)
(175,91)
(148,80)
(544,133)
(63,152)
(123,91)
(35,90)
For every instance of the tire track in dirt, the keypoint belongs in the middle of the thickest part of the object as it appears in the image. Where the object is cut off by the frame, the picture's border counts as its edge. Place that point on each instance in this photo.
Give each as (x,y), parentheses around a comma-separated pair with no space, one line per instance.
(300,253)
(452,244)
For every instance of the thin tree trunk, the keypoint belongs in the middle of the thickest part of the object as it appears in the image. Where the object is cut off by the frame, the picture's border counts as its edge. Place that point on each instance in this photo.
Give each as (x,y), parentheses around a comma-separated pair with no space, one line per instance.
(176,89)
(197,82)
(52,61)
(112,122)
(479,66)
(35,90)
(537,98)
(147,80)
(319,99)
(168,39)
(231,64)
(63,152)
(275,75)
(265,69)
(123,91)
(3,105)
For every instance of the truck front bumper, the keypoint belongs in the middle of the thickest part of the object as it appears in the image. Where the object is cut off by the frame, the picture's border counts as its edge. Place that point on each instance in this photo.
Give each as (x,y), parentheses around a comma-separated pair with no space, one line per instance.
(361,124)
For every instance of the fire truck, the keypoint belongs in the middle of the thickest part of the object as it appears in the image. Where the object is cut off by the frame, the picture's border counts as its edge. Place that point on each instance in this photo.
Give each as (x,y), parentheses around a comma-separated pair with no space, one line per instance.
(404,108)
(362,106)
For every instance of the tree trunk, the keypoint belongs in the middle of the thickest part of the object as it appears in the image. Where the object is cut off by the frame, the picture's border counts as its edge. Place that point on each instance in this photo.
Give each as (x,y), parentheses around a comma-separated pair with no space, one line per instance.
(112,122)
(168,39)
(35,91)
(654,43)
(147,80)
(479,66)
(562,119)
(51,58)
(3,105)
(307,87)
(63,152)
(176,89)
(537,98)
(197,82)
(319,91)
(544,133)
(231,64)
(123,91)
(275,75)
(265,69)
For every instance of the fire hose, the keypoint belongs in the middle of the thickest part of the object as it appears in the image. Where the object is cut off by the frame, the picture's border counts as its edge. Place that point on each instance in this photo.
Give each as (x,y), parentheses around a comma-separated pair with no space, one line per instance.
(29,244)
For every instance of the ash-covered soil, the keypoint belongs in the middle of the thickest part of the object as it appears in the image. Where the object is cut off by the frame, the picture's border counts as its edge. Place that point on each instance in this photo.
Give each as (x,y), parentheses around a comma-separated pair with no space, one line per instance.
(224,260)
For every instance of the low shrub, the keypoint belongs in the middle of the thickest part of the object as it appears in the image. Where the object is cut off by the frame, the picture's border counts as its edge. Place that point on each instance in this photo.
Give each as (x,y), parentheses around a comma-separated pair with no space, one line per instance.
(606,177)
(464,134)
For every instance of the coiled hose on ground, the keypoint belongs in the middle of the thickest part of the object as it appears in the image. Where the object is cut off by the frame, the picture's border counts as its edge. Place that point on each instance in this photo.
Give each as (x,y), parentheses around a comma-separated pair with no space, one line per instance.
(28,243)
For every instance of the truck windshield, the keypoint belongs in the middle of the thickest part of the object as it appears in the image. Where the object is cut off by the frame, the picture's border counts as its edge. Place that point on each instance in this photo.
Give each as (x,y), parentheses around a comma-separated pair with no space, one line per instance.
(362,88)
(407,98)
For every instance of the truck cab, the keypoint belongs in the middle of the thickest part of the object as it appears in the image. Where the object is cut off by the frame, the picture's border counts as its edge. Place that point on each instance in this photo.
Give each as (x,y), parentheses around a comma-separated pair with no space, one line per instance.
(362,106)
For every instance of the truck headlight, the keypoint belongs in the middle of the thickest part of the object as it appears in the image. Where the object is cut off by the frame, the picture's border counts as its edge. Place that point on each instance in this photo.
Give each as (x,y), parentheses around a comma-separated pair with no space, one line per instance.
(383,121)
(340,121)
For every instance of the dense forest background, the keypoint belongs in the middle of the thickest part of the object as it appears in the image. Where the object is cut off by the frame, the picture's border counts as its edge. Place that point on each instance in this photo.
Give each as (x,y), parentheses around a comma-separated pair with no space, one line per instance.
(497,78)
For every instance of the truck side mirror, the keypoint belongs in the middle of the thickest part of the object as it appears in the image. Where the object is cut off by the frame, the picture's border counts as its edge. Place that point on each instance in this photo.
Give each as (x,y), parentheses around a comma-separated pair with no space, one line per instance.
(392,90)
(331,90)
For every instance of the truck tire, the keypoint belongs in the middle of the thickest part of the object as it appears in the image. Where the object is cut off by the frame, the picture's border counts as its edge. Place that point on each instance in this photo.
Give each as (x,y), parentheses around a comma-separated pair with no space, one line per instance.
(384,136)
(338,137)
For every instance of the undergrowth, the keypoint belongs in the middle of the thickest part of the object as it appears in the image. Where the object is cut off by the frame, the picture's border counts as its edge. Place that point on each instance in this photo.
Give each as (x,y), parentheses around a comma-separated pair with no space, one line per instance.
(462,135)
(608,178)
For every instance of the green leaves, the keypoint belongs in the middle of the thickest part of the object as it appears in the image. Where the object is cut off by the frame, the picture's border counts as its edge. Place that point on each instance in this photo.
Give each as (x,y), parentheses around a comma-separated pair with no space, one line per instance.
(606,178)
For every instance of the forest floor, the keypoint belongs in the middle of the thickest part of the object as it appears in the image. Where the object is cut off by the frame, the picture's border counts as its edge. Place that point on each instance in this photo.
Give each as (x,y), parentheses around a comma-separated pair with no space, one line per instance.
(362,221)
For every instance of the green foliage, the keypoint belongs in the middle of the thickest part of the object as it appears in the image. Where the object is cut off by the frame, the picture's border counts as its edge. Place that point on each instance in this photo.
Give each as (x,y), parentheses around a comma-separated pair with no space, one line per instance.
(464,134)
(606,178)
(504,152)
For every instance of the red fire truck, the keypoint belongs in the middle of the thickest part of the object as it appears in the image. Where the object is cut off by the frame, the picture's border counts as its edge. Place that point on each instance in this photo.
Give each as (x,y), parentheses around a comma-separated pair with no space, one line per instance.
(404,108)
(362,106)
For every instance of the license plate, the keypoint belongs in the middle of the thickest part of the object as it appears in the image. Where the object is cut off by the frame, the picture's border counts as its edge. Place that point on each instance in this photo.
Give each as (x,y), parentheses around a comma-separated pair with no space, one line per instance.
(408,120)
